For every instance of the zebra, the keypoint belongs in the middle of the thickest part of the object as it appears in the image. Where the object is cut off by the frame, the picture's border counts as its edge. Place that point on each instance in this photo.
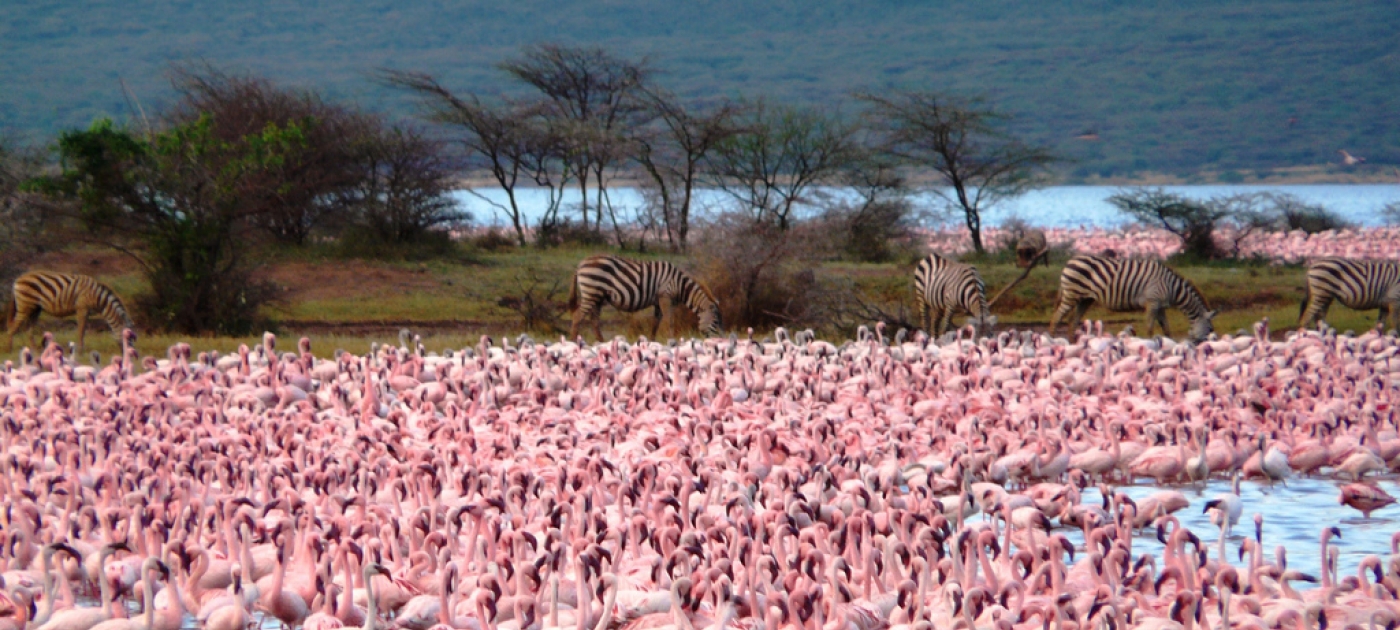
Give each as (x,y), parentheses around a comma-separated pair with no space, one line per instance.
(944,288)
(1358,284)
(62,295)
(632,285)
(1121,284)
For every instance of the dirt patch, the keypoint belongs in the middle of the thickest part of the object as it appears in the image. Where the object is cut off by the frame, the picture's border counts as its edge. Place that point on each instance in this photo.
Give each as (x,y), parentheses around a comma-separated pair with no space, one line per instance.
(347,278)
(90,262)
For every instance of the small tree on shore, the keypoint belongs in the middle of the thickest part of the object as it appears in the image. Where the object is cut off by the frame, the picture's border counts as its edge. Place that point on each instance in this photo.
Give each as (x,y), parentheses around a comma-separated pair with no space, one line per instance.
(672,152)
(962,140)
(1192,221)
(591,97)
(780,153)
(514,141)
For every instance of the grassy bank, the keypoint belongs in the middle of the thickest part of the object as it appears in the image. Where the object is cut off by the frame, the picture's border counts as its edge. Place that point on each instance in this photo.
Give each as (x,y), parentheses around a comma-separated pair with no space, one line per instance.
(347,304)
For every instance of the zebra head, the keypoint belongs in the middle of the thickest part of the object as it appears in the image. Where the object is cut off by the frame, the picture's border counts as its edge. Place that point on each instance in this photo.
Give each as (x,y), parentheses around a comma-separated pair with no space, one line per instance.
(1201,327)
(710,322)
(982,324)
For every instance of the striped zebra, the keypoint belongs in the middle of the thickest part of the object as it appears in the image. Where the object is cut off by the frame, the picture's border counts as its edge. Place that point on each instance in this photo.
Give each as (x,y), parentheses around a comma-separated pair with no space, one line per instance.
(63,295)
(632,285)
(1120,284)
(943,288)
(1358,284)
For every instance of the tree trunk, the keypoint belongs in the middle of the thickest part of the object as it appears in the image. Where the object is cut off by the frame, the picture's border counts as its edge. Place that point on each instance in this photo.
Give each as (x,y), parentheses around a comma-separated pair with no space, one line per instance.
(683,215)
(515,217)
(972,217)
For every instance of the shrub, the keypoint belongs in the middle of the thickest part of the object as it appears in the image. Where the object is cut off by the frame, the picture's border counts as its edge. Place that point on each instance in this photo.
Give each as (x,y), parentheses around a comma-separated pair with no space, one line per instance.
(876,232)
(1390,213)
(556,232)
(359,241)
(492,239)
(761,274)
(179,199)
(1293,213)
(23,229)
(304,189)
(402,193)
(537,302)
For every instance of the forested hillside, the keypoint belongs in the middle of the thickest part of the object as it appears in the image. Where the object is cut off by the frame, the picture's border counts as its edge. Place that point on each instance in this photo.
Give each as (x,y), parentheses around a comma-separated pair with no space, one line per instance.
(1168,87)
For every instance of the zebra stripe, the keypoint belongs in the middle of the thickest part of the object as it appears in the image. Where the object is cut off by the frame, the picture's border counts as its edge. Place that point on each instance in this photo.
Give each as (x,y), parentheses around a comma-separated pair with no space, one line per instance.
(63,295)
(1358,284)
(1127,285)
(943,288)
(632,285)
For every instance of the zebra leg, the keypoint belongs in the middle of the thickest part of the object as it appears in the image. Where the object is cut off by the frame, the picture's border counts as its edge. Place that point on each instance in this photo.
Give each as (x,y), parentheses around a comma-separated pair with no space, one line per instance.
(1161,315)
(946,319)
(923,315)
(656,315)
(1080,309)
(573,326)
(82,328)
(1060,312)
(31,322)
(1316,311)
(19,321)
(598,323)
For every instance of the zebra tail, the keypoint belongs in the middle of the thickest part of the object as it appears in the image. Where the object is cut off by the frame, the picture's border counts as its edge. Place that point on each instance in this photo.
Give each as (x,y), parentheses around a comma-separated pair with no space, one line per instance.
(573,293)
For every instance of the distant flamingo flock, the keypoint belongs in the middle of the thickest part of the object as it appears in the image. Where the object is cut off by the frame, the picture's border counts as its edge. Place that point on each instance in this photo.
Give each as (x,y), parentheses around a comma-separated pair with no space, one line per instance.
(1277,247)
(785,483)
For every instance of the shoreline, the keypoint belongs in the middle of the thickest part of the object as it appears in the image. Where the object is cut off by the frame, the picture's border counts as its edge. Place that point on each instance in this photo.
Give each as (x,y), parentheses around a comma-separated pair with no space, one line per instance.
(1291,176)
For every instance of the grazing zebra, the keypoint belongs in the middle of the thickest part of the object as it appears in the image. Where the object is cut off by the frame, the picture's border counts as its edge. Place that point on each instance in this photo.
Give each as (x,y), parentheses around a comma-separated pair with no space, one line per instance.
(944,288)
(632,285)
(1358,284)
(1121,284)
(62,295)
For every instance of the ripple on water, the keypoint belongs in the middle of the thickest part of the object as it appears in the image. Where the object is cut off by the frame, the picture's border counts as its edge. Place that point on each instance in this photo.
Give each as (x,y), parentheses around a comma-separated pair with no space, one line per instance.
(1294,516)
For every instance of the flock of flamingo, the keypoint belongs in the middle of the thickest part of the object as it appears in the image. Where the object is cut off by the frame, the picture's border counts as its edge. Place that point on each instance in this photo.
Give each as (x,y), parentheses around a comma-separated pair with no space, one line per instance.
(1378,243)
(785,483)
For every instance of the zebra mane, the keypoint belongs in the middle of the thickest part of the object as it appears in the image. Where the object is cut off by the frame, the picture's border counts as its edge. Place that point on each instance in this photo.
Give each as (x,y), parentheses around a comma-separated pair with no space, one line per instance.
(697,286)
(109,296)
(1191,296)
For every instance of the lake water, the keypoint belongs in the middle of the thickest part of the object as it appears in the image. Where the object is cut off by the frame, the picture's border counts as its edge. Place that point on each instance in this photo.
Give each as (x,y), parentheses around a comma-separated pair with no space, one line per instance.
(1059,206)
(1294,517)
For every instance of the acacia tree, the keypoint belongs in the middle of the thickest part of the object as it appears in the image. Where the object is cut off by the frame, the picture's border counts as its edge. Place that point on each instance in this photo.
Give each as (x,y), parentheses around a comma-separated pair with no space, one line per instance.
(512,141)
(962,141)
(778,155)
(672,152)
(592,97)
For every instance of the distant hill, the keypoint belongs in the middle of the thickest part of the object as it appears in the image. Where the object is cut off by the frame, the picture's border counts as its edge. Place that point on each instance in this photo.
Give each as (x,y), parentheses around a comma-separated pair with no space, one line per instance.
(1180,87)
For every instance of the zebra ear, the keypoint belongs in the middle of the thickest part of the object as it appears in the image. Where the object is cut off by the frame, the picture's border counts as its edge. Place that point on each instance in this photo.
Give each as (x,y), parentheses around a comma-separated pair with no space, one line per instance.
(1211,314)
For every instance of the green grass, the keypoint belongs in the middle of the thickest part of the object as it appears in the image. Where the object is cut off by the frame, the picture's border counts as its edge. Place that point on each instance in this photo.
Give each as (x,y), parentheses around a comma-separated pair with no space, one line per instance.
(1189,87)
(452,303)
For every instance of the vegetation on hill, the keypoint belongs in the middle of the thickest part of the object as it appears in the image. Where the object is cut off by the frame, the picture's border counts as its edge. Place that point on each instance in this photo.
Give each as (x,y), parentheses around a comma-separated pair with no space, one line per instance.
(1165,87)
